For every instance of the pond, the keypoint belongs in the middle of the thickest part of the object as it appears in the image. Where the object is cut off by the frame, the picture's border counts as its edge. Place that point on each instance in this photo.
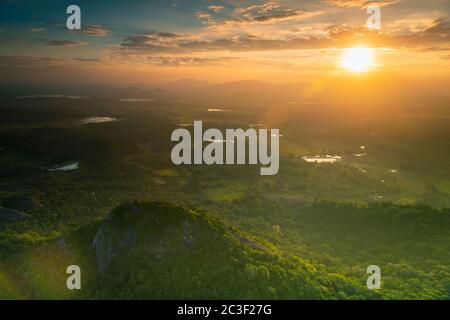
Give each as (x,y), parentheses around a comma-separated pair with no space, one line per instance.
(92,120)
(68,166)
(216,110)
(322,159)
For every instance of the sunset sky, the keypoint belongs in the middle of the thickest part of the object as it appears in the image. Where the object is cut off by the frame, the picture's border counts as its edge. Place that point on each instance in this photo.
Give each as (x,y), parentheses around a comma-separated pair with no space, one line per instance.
(149,41)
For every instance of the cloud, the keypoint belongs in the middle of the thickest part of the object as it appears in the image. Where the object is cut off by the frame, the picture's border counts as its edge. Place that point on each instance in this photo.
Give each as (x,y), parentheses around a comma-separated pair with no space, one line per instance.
(145,44)
(27,61)
(437,35)
(188,61)
(87,59)
(381,3)
(153,41)
(439,27)
(37,29)
(96,30)
(216,8)
(11,62)
(205,17)
(63,43)
(410,25)
(269,12)
(360,3)
(337,36)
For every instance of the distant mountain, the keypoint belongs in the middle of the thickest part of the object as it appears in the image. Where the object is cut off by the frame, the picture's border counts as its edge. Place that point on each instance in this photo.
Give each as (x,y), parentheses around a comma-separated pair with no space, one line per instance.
(139,93)
(236,92)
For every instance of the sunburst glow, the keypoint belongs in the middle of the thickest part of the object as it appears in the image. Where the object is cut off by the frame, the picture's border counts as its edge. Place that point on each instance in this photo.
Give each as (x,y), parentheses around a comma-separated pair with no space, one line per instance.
(358,59)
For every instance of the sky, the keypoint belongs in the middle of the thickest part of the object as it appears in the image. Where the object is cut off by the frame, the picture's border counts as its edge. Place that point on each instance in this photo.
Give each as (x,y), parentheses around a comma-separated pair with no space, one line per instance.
(148,41)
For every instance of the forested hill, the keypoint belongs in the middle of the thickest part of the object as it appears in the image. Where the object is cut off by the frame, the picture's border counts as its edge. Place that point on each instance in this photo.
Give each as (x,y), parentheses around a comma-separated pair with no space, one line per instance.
(251,248)
(159,250)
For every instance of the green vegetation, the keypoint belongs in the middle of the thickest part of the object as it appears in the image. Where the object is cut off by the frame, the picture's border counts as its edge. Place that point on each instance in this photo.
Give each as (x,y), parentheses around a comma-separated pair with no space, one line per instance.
(221,232)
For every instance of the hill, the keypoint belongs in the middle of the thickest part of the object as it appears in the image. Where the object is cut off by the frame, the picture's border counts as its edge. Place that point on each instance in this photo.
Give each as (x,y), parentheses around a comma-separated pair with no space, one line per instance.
(159,250)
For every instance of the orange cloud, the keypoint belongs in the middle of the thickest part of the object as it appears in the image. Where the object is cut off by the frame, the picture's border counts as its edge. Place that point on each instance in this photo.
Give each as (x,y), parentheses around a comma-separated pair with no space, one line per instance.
(216,8)
(96,30)
(259,13)
(360,3)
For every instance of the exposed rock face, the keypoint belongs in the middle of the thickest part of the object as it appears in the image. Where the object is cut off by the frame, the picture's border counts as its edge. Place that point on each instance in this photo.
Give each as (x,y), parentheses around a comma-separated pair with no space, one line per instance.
(11,215)
(21,203)
(151,231)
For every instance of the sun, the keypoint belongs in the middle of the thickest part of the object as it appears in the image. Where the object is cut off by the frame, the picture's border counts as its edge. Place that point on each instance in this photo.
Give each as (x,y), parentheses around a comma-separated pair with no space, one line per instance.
(358,59)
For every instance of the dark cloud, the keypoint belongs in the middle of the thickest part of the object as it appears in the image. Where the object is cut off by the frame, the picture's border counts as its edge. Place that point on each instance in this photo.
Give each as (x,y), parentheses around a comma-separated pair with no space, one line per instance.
(63,43)
(40,62)
(87,59)
(258,13)
(27,61)
(154,41)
